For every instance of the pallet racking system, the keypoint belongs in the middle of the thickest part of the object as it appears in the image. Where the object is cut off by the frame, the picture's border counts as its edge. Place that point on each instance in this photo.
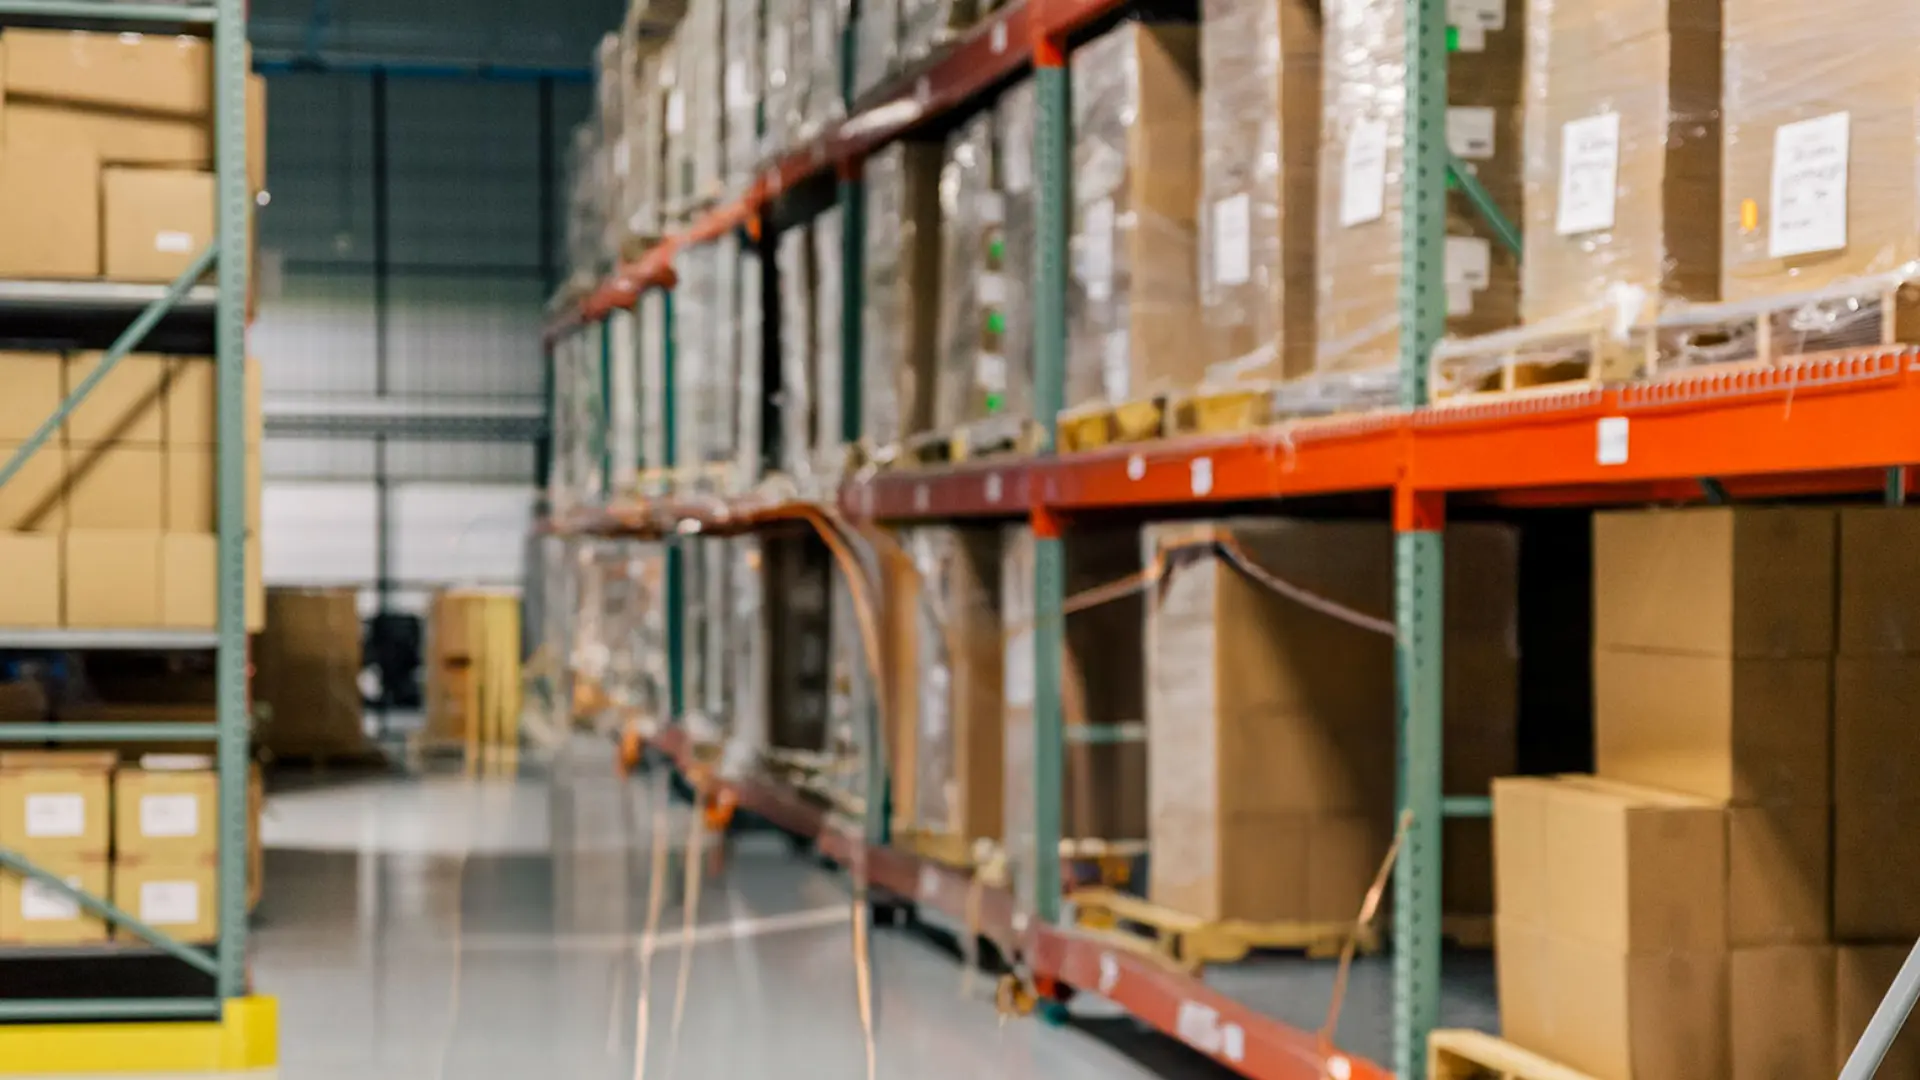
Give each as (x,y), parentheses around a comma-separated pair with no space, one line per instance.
(232,1030)
(1829,424)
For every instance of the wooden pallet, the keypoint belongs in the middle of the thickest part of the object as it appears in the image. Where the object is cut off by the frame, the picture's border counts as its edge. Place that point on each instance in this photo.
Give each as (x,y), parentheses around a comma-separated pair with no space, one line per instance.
(1190,943)
(1454,1054)
(1512,362)
(947,849)
(1241,408)
(1468,931)
(979,441)
(1104,425)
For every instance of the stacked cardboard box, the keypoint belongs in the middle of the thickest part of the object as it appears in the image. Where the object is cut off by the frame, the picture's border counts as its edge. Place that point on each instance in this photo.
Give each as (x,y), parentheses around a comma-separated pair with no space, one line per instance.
(166,840)
(1271,766)
(786,74)
(829,434)
(107,151)
(1017,114)
(799,351)
(644,205)
(54,809)
(1623,158)
(798,583)
(307,671)
(825,102)
(1361,177)
(1260,111)
(1132,294)
(901,320)
(876,47)
(110,524)
(971,378)
(744,81)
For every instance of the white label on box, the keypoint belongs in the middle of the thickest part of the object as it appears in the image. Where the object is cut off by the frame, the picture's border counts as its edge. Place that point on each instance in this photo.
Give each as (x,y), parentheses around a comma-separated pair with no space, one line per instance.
(1116,367)
(1363,179)
(1809,186)
(1479,14)
(1589,173)
(40,902)
(990,372)
(1096,248)
(164,816)
(169,903)
(173,242)
(1232,240)
(1459,299)
(56,815)
(1470,132)
(1470,38)
(1612,448)
(1017,675)
(739,96)
(992,289)
(1469,262)
(676,113)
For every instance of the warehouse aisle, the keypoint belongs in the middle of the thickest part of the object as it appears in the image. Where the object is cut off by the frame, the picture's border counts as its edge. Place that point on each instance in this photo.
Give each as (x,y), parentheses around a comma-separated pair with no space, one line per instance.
(473,929)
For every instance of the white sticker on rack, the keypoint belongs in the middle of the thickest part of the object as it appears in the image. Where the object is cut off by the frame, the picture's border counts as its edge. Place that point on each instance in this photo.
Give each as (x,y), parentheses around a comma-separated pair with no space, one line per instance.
(1136,467)
(998,37)
(1589,174)
(929,883)
(1339,1067)
(1612,449)
(40,902)
(56,814)
(1109,974)
(1470,132)
(1200,472)
(169,815)
(1363,177)
(1232,239)
(1809,204)
(921,499)
(1200,1027)
(169,903)
(995,487)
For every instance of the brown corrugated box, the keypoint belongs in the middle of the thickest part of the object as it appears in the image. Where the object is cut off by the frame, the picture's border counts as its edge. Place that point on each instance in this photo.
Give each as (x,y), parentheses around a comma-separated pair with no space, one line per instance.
(29,580)
(55,802)
(1879,610)
(165,815)
(902,318)
(122,136)
(1133,304)
(35,499)
(155,222)
(116,486)
(112,579)
(176,898)
(35,387)
(49,211)
(127,407)
(168,74)
(1781,1012)
(306,665)
(32,913)
(1654,64)
(188,580)
(979,650)
(1862,976)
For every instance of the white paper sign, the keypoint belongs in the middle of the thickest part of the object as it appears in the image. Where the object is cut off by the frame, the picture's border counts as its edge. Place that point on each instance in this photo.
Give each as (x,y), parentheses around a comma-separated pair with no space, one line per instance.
(40,902)
(55,815)
(1469,262)
(1232,240)
(1363,177)
(172,242)
(1809,211)
(1470,132)
(1589,174)
(169,815)
(169,903)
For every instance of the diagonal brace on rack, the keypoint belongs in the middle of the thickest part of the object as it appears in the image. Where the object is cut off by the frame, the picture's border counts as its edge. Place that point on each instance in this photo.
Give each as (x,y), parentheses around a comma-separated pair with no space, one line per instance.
(129,340)
(14,861)
(1462,178)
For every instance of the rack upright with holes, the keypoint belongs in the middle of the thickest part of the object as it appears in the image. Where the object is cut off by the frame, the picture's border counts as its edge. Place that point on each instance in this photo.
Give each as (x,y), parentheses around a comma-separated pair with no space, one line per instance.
(207,1016)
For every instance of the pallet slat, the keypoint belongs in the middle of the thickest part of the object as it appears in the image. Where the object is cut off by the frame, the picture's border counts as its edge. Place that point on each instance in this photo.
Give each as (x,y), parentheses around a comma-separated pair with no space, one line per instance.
(1454,1054)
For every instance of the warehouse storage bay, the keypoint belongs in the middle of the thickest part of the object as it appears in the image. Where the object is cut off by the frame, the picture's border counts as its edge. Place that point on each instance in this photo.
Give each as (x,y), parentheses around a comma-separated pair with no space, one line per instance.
(914,538)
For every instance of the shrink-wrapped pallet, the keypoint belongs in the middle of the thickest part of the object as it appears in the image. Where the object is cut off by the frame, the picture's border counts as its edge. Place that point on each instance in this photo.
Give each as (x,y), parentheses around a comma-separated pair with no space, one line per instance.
(793,257)
(829,402)
(900,323)
(743,81)
(971,377)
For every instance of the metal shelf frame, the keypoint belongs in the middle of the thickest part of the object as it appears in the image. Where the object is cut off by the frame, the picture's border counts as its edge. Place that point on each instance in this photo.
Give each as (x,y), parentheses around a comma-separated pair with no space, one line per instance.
(227,257)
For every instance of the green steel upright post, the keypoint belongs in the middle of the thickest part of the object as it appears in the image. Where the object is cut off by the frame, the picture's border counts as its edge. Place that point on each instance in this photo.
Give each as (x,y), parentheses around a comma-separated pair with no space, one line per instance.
(1419,550)
(230,343)
(1052,163)
(605,334)
(676,559)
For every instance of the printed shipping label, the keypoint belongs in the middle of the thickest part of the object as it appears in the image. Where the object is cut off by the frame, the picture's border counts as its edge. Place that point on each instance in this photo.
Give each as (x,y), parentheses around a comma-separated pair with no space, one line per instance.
(40,902)
(169,903)
(56,815)
(1469,262)
(172,242)
(168,816)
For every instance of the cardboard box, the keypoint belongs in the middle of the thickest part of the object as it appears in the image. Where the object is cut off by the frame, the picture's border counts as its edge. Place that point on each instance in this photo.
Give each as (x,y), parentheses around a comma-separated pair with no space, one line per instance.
(1879,609)
(112,579)
(1876,748)
(54,802)
(1132,292)
(35,499)
(121,136)
(191,490)
(305,668)
(35,386)
(29,580)
(180,898)
(902,317)
(1746,731)
(1875,866)
(1782,1005)
(127,407)
(116,487)
(1862,976)
(165,815)
(188,580)
(191,401)
(1779,874)
(169,74)
(1715,581)
(32,913)
(1658,1016)
(256,593)
(49,210)
(156,221)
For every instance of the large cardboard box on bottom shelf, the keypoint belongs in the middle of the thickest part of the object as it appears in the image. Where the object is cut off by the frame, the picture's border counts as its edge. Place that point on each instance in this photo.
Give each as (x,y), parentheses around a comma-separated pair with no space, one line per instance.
(177,898)
(306,667)
(1781,1011)
(155,222)
(165,815)
(29,580)
(55,802)
(33,913)
(49,211)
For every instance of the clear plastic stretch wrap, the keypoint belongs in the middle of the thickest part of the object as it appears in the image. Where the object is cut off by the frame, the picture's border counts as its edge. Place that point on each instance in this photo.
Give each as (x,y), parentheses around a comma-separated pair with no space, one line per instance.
(1822,185)
(933,749)
(1260,111)
(900,330)
(1623,156)
(706,349)
(586,208)
(708,592)
(797,583)
(826,102)
(876,52)
(749,326)
(616,161)
(619,644)
(850,693)
(1357,305)
(925,25)
(1132,295)
(652,349)
(646,194)
(829,431)
(744,81)
(1018,114)
(787,74)
(700,105)
(1017,769)
(578,476)
(747,645)
(971,379)
(794,258)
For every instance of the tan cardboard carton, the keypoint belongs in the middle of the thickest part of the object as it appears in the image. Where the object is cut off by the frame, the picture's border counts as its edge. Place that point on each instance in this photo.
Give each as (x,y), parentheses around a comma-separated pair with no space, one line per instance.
(33,913)
(902,318)
(112,579)
(1862,976)
(1875,699)
(49,210)
(35,499)
(1874,870)
(1879,609)
(165,815)
(188,581)
(1782,1005)
(190,490)
(116,486)
(35,386)
(54,802)
(1715,581)
(1779,874)
(127,407)
(178,898)
(122,136)
(191,401)
(156,73)
(29,580)
(155,221)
